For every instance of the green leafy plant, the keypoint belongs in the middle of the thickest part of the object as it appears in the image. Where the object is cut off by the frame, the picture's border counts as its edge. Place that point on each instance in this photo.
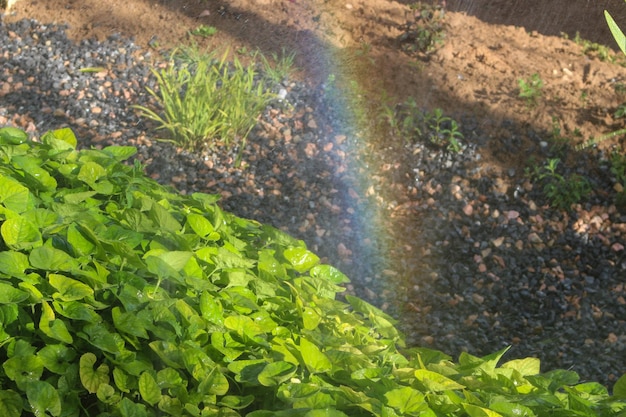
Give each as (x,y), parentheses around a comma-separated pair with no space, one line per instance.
(561,191)
(411,123)
(530,89)
(204,101)
(204,31)
(120,297)
(424,32)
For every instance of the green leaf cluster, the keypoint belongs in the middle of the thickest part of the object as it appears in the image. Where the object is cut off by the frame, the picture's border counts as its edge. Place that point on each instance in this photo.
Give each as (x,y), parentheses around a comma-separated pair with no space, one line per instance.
(122,298)
(561,191)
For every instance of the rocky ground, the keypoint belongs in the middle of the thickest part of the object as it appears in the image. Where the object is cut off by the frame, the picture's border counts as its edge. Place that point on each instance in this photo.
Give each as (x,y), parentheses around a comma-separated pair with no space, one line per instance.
(463,248)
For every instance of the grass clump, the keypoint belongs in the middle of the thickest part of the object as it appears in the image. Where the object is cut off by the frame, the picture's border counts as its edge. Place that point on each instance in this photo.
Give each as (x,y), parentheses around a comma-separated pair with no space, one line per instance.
(122,298)
(279,68)
(204,101)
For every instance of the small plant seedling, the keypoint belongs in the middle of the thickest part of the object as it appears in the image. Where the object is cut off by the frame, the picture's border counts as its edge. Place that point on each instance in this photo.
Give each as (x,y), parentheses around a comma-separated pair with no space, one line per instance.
(530,89)
(424,31)
(561,191)
(204,31)
(411,123)
(443,131)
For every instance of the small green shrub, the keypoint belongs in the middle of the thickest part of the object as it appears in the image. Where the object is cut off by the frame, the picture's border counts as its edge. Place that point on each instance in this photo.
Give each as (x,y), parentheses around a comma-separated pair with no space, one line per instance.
(561,191)
(121,298)
(530,89)
(412,124)
(204,101)
(424,32)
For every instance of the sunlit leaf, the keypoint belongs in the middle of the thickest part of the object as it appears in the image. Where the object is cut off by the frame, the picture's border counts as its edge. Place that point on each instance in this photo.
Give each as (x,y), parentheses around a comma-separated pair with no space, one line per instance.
(171,406)
(330,273)
(511,409)
(12,135)
(11,295)
(107,394)
(82,244)
(301,259)
(128,408)
(99,336)
(130,323)
(616,32)
(10,402)
(120,153)
(406,400)
(313,357)
(76,311)
(236,402)
(202,227)
(19,234)
(66,135)
(23,369)
(476,411)
(275,373)
(214,383)
(163,219)
(34,173)
(91,172)
(43,399)
(14,195)
(148,388)
(619,389)
(92,378)
(211,308)
(526,366)
(53,327)
(436,382)
(69,289)
(56,358)
(51,259)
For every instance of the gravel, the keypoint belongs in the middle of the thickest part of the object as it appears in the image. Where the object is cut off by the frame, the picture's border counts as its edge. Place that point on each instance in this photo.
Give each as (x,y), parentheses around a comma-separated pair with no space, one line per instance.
(467,259)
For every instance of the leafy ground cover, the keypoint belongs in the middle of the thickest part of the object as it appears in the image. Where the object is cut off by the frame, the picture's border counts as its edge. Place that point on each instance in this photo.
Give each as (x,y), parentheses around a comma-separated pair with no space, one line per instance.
(120,297)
